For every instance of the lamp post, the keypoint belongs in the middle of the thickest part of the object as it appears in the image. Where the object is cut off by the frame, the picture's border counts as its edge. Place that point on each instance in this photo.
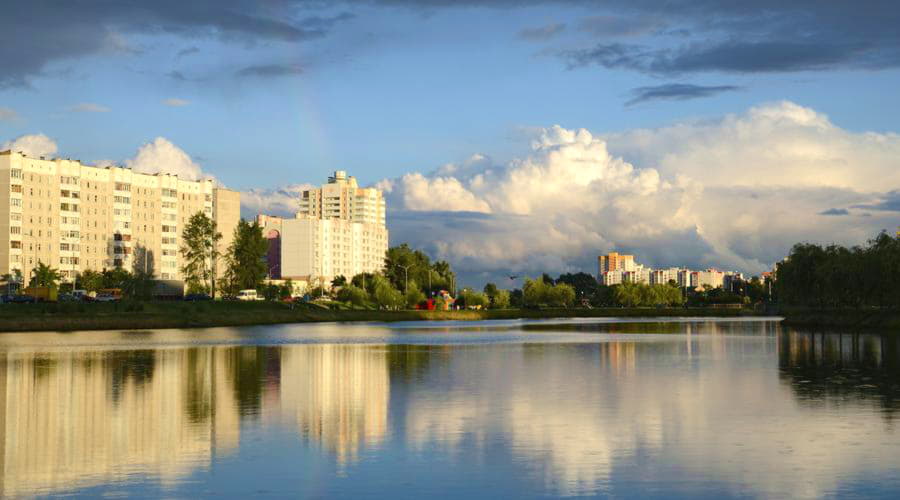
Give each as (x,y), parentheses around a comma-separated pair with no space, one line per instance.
(405,277)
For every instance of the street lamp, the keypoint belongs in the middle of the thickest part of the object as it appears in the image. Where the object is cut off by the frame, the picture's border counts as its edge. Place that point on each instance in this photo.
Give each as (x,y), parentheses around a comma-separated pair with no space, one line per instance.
(405,277)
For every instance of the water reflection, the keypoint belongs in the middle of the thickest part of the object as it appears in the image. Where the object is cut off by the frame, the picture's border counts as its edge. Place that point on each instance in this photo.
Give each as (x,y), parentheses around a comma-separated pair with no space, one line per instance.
(733,408)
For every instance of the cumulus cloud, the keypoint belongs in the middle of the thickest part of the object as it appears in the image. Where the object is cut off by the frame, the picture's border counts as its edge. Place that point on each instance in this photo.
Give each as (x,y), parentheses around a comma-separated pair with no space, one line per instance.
(161,156)
(88,107)
(734,192)
(282,201)
(32,145)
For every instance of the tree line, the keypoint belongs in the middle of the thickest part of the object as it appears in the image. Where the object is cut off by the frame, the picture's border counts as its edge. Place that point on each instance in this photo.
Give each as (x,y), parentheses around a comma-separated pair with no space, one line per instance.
(837,276)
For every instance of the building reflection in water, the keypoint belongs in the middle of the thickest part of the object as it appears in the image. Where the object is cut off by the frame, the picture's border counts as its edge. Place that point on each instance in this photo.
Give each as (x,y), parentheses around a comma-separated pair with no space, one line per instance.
(77,418)
(751,406)
(336,395)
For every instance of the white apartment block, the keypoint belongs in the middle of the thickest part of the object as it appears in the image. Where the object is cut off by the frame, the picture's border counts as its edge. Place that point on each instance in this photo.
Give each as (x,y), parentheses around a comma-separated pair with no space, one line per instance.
(338,231)
(75,217)
(710,277)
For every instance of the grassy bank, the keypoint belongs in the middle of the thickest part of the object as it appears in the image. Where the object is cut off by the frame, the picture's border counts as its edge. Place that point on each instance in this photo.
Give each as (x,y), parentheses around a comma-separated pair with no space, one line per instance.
(151,315)
(842,318)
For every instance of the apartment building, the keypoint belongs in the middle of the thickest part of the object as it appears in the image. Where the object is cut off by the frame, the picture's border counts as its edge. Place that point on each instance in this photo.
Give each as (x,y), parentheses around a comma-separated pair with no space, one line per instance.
(614,261)
(75,217)
(339,230)
(342,198)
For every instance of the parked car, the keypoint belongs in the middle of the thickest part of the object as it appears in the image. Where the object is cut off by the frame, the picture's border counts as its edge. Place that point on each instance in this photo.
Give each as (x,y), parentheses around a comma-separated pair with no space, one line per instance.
(20,299)
(196,297)
(106,297)
(249,294)
(67,297)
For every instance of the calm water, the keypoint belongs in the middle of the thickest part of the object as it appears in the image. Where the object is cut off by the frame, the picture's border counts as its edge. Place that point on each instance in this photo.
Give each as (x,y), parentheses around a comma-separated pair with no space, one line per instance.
(488,410)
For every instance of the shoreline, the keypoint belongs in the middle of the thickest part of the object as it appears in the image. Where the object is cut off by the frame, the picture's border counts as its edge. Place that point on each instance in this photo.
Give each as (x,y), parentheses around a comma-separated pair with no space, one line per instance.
(159,315)
(841,318)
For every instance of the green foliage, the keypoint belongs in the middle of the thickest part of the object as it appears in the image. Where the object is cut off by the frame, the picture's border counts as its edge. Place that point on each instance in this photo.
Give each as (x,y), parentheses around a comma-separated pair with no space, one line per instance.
(541,293)
(584,284)
(90,280)
(402,260)
(115,278)
(500,300)
(245,258)
(836,276)
(414,296)
(199,250)
(354,295)
(138,286)
(473,299)
(388,297)
(644,295)
(339,281)
(44,275)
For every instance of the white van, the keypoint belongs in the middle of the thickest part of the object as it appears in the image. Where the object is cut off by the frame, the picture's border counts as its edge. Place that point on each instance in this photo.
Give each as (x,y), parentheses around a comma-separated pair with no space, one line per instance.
(247,295)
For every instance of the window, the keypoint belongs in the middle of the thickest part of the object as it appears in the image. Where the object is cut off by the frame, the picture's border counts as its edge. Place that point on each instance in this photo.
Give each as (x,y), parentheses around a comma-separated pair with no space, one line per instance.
(15,230)
(16,188)
(15,202)
(169,229)
(16,173)
(121,186)
(122,199)
(170,193)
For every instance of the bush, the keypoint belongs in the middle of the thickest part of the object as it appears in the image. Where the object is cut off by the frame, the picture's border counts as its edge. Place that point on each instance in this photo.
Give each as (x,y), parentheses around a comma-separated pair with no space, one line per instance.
(353,295)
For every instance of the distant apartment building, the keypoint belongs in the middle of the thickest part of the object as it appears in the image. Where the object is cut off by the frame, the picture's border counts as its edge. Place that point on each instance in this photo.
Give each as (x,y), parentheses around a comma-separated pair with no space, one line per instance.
(614,261)
(710,277)
(339,230)
(75,217)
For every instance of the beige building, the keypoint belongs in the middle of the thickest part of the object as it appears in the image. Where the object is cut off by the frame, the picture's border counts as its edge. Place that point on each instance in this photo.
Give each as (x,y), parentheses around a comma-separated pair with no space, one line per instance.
(339,231)
(75,217)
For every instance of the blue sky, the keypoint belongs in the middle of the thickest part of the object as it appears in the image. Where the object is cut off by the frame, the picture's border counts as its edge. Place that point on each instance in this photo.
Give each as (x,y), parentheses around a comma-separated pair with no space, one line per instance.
(275,93)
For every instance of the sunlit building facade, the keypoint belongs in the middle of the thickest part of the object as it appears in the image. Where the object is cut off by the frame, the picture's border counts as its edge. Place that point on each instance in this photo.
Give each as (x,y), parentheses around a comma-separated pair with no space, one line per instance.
(73,217)
(339,230)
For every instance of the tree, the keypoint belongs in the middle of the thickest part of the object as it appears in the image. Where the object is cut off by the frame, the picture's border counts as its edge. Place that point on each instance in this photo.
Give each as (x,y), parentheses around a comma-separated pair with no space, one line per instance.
(90,281)
(473,299)
(245,258)
(500,300)
(339,281)
(44,275)
(402,262)
(387,296)
(200,250)
(354,295)
(12,278)
(115,278)
(561,295)
(584,284)
(414,296)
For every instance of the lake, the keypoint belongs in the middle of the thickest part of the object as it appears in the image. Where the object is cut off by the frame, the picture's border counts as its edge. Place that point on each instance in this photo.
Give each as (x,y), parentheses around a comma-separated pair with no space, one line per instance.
(493,409)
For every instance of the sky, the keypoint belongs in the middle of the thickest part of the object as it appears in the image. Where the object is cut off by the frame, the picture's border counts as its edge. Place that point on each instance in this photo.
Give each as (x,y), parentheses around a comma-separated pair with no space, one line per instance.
(510,137)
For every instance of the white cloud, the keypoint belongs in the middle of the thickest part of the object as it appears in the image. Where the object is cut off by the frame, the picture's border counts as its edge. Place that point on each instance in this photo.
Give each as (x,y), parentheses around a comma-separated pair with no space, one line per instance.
(279,201)
(780,144)
(735,192)
(7,114)
(89,107)
(161,156)
(175,102)
(32,145)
